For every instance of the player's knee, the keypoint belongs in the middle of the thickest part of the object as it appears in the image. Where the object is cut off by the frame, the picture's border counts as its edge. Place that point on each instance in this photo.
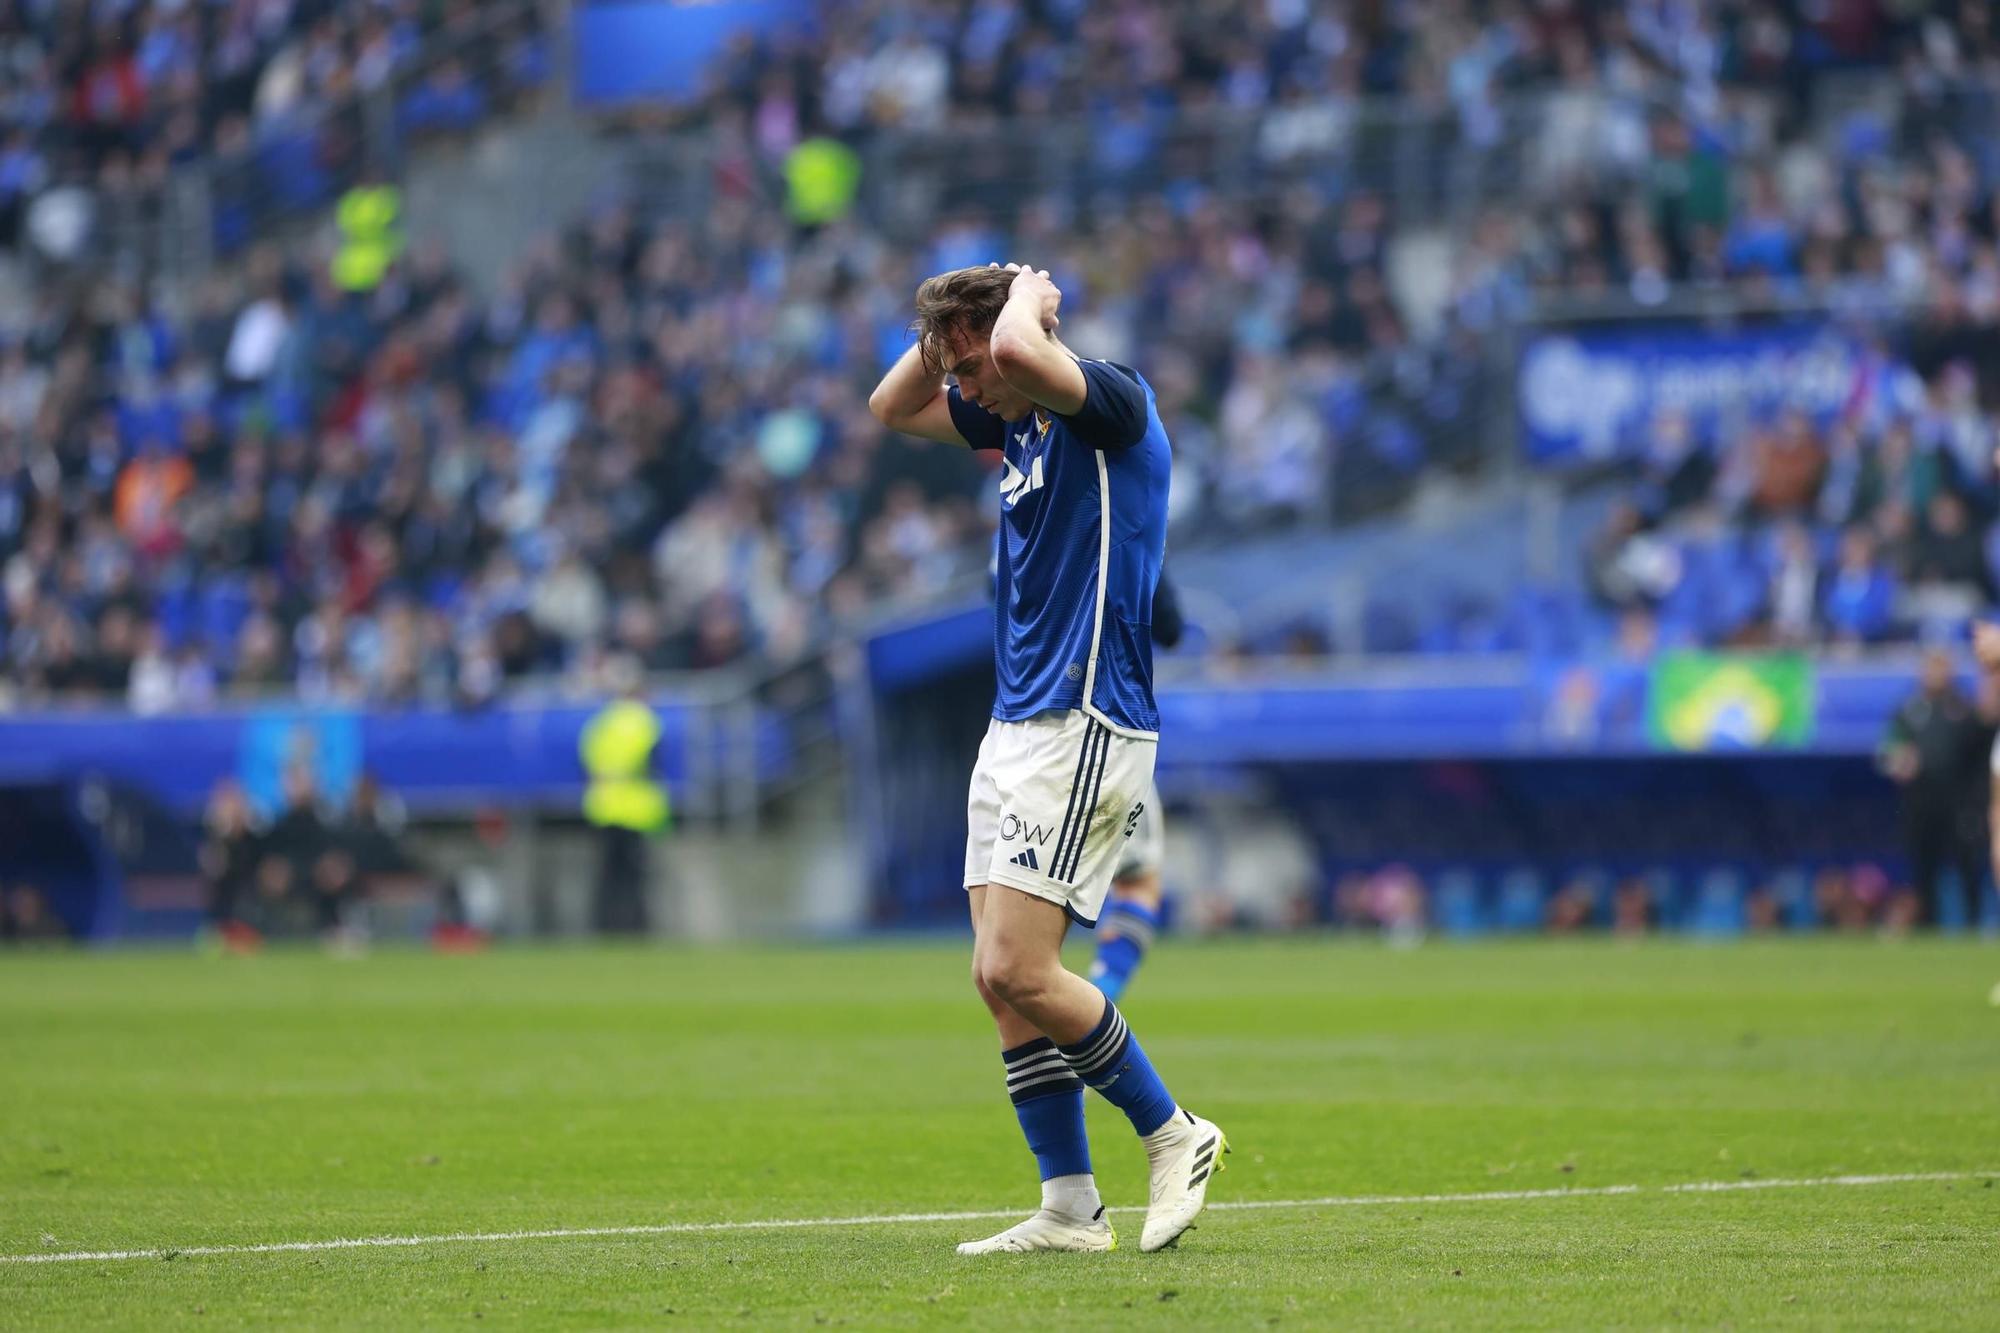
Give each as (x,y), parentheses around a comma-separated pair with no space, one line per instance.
(1012,976)
(987,994)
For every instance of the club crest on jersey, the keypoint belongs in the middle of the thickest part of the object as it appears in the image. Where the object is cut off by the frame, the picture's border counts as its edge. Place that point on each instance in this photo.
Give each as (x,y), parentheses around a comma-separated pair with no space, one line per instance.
(1015,483)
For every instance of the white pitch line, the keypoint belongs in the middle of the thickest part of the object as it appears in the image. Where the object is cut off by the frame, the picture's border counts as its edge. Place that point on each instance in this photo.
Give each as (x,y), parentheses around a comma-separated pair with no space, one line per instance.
(895,1219)
(1717,1186)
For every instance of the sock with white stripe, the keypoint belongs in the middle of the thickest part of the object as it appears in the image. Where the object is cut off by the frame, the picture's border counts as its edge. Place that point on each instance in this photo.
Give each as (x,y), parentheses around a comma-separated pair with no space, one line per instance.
(1123,937)
(1048,1101)
(1111,1060)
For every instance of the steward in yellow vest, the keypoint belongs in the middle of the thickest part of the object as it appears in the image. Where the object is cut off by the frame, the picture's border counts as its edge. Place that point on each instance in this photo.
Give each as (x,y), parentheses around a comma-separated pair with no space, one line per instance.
(623,799)
(370,219)
(617,749)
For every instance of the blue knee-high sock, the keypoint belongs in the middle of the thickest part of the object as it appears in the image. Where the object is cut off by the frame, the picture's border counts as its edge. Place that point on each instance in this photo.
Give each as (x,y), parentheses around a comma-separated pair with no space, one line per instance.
(1110,1060)
(1048,1101)
(1123,937)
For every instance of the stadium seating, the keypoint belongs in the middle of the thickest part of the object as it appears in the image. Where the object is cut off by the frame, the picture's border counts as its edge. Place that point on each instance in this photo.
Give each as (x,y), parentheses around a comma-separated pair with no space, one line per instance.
(649,438)
(271,108)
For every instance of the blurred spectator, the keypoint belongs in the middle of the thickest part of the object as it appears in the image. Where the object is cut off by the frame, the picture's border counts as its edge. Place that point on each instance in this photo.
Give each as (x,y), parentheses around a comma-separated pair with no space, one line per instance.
(1936,751)
(1861,595)
(1390,899)
(26,918)
(373,827)
(1948,558)
(150,489)
(1856,898)
(303,858)
(1679,472)
(1787,464)
(1628,565)
(1633,909)
(1571,908)
(370,831)
(228,856)
(1795,587)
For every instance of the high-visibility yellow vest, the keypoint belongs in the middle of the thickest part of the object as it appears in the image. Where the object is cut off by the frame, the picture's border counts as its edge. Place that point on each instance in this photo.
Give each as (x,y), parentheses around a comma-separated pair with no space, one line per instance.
(617,751)
(821,176)
(370,221)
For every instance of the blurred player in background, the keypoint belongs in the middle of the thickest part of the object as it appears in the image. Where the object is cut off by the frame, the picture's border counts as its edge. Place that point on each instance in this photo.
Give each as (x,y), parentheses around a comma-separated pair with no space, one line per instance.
(1125,931)
(1069,753)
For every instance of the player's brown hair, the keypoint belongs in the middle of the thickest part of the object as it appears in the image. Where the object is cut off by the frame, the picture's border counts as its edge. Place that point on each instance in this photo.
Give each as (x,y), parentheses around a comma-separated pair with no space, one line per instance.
(963,302)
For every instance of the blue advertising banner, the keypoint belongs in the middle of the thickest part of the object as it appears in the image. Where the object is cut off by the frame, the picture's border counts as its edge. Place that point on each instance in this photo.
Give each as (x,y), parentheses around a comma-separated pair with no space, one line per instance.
(630,50)
(438,760)
(1587,395)
(1512,708)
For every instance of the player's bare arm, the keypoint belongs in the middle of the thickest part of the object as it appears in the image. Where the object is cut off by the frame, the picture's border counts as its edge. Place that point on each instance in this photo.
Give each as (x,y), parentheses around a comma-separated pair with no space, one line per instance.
(911,399)
(1026,351)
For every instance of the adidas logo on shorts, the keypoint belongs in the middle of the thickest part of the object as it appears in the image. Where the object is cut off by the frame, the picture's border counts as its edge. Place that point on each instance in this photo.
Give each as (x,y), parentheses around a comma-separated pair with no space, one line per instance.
(1027,859)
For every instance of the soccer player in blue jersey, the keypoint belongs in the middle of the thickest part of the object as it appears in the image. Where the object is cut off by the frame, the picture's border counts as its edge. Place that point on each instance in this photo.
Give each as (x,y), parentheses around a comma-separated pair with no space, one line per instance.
(1068,755)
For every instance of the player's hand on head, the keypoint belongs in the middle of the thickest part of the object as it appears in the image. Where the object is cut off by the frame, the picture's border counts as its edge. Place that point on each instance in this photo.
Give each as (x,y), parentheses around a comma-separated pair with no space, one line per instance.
(1036,282)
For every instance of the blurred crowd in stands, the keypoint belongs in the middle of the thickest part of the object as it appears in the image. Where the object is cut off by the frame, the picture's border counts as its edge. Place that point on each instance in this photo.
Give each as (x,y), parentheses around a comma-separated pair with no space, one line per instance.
(648,442)
(649,436)
(100,103)
(880,64)
(1846,535)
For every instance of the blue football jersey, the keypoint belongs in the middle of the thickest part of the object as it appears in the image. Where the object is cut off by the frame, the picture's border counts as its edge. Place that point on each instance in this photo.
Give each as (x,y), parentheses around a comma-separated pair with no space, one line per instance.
(1083,528)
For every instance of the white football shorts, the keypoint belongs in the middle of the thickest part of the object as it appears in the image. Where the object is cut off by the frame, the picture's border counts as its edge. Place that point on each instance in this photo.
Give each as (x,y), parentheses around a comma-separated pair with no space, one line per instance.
(1145,849)
(1052,802)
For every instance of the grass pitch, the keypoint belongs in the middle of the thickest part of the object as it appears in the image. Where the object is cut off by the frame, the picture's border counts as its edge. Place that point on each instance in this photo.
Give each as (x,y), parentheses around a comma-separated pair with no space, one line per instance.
(166,1103)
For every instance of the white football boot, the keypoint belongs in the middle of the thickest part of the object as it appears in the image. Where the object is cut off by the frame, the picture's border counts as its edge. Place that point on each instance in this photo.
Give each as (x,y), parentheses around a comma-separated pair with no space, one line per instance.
(1186,1153)
(1049,1230)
